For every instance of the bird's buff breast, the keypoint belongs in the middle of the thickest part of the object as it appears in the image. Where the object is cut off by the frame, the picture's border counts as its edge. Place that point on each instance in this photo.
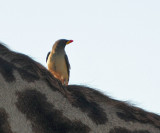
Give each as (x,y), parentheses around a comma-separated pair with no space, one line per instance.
(57,65)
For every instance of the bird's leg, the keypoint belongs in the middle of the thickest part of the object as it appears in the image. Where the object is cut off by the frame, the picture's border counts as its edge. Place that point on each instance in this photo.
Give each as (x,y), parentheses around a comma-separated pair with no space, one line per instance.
(64,81)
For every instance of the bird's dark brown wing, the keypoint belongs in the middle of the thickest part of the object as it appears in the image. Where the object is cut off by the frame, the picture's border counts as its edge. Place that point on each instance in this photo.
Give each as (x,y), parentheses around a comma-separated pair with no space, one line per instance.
(47,56)
(68,65)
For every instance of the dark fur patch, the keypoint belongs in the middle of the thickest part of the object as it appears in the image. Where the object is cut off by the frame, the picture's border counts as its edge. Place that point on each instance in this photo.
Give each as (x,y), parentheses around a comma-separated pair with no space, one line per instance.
(23,61)
(43,116)
(94,111)
(29,69)
(27,76)
(137,115)
(124,130)
(6,69)
(4,124)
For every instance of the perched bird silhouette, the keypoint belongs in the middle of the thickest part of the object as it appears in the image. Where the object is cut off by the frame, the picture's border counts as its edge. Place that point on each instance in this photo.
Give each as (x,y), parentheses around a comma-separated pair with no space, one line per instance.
(57,61)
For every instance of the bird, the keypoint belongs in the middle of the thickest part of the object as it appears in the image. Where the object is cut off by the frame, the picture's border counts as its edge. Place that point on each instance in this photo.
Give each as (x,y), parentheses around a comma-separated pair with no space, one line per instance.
(57,61)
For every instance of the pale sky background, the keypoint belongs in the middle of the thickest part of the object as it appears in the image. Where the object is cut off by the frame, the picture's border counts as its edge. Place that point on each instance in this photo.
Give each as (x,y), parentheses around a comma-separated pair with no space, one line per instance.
(116,45)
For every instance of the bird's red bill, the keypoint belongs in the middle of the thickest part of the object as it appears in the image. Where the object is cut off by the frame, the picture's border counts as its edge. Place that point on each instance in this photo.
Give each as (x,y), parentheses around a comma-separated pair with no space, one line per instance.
(70,41)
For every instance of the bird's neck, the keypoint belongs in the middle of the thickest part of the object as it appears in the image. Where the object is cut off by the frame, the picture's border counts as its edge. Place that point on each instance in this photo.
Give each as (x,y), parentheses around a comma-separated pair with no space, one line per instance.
(58,51)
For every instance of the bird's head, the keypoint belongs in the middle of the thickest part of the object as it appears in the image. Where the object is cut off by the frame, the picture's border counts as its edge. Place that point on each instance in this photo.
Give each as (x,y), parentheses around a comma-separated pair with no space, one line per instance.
(60,44)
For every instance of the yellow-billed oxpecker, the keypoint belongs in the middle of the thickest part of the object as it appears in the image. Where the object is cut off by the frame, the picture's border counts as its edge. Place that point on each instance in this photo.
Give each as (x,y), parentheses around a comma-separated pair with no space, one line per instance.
(57,61)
